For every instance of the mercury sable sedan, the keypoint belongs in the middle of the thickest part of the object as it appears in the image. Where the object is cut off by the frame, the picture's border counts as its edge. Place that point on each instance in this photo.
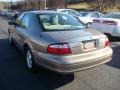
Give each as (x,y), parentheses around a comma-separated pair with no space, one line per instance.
(58,42)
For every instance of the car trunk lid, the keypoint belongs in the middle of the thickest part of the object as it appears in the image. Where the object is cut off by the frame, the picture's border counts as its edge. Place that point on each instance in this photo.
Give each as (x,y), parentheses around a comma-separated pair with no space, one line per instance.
(79,41)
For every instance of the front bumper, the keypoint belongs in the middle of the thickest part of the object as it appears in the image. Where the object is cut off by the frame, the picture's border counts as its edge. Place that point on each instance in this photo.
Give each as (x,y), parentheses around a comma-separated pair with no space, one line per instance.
(65,68)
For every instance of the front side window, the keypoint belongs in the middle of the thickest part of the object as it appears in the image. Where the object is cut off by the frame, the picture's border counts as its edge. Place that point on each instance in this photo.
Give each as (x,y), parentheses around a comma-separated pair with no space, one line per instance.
(59,22)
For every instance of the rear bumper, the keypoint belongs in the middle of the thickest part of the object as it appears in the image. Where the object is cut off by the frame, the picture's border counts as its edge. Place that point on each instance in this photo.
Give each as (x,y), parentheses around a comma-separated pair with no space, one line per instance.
(71,67)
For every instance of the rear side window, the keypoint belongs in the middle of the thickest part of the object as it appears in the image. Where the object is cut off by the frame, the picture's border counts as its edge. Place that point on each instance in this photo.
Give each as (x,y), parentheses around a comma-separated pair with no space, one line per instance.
(18,20)
(25,22)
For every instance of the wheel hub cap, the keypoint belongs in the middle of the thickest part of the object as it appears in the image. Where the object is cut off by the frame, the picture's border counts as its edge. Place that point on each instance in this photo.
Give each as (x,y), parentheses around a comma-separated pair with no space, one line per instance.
(29,59)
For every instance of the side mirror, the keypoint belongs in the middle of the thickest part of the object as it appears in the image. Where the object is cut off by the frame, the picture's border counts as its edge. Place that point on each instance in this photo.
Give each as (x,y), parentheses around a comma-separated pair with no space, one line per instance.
(11,23)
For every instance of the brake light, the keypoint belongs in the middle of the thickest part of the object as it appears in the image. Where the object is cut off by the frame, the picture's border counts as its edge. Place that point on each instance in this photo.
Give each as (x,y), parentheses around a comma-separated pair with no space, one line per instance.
(110,22)
(96,21)
(60,49)
(107,43)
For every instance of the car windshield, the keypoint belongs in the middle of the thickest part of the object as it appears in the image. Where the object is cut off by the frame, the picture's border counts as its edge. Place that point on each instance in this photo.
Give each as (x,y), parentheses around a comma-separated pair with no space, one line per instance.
(58,22)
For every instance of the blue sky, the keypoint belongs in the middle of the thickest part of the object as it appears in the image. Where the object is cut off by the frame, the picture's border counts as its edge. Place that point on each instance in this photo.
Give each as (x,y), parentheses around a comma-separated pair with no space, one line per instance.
(9,0)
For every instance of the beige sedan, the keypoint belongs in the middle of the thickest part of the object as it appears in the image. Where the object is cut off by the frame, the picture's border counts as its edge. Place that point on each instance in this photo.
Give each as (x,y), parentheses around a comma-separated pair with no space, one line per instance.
(58,42)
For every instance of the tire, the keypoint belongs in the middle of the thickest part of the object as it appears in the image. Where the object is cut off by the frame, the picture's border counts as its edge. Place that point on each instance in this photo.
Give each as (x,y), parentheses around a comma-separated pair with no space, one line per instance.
(29,60)
(88,24)
(11,40)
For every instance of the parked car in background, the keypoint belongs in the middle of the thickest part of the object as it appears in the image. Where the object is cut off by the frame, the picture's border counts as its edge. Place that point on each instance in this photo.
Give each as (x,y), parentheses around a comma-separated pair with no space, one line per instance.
(57,41)
(4,13)
(109,24)
(69,11)
(15,14)
(87,17)
(9,13)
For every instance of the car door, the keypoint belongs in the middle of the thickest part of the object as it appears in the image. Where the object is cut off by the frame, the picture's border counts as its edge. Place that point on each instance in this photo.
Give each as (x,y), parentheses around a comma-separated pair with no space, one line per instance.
(21,31)
(14,28)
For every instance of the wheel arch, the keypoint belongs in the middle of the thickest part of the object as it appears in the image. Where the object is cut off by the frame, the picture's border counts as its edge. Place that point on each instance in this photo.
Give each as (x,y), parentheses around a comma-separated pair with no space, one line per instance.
(26,45)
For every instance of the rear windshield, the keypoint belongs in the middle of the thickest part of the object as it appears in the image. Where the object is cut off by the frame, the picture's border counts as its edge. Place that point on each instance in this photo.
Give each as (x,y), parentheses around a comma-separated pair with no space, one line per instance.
(58,22)
(115,16)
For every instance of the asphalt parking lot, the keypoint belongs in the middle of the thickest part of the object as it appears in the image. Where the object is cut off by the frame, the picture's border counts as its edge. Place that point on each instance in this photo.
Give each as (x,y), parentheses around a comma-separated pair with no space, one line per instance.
(14,75)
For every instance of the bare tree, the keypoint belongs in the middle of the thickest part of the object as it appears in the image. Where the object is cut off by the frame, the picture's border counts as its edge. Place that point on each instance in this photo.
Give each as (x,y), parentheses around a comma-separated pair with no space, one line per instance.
(56,3)
(100,5)
(41,4)
(66,3)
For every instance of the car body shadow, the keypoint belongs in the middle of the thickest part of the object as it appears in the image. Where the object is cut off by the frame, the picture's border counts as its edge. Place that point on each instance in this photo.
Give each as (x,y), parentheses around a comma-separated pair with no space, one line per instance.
(115,62)
(14,74)
(114,39)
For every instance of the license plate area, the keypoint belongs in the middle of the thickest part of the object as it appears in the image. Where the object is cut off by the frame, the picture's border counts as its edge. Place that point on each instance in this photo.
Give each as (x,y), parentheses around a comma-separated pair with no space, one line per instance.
(89,45)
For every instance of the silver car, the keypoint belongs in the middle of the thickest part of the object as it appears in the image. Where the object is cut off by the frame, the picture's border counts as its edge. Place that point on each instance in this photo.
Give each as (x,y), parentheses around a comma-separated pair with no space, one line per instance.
(88,17)
(58,42)
(69,11)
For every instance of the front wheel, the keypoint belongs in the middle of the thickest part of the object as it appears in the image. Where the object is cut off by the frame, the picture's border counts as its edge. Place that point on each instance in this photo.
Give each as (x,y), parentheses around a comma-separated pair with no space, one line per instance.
(30,63)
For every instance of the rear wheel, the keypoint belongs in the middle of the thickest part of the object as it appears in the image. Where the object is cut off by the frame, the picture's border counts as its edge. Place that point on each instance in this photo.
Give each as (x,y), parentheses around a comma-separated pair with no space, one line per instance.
(30,63)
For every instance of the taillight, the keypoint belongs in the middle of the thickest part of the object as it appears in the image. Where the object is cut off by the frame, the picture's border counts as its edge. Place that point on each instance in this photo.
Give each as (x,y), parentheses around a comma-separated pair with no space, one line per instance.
(96,21)
(107,43)
(110,22)
(60,49)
